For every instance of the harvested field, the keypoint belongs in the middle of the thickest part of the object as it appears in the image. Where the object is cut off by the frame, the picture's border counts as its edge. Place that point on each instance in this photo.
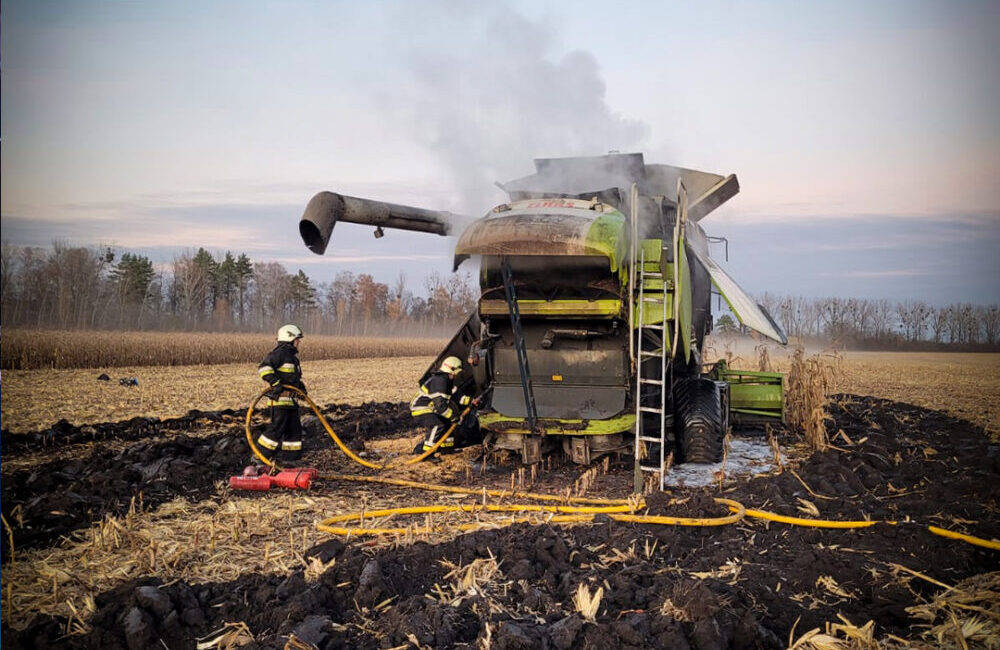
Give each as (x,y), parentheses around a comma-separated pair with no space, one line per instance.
(96,565)
(33,399)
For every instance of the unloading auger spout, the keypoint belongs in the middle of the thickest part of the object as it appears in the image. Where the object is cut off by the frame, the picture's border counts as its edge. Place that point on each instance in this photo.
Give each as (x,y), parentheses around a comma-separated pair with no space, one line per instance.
(327,208)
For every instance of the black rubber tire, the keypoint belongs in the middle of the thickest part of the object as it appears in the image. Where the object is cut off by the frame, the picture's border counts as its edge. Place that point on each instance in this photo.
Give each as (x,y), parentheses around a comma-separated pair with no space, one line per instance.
(700,422)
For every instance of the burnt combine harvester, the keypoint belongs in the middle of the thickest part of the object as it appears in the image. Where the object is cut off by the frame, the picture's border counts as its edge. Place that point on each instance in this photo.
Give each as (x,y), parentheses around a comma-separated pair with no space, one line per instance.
(596,286)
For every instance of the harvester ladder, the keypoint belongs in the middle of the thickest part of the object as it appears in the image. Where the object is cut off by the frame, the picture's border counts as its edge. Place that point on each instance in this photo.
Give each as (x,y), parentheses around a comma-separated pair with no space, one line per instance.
(522,353)
(658,433)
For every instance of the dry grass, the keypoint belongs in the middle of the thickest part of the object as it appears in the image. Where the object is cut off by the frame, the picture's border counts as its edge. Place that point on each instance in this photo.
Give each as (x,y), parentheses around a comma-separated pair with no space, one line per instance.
(30,349)
(586,603)
(807,393)
(34,399)
(964,616)
(203,542)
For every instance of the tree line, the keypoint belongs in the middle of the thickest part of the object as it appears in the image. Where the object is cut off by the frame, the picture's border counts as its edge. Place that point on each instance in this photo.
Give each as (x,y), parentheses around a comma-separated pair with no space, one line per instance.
(883,324)
(78,287)
(75,287)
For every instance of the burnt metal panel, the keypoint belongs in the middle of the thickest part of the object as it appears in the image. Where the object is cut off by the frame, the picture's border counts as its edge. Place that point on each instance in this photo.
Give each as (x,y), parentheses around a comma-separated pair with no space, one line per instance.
(562,401)
(549,232)
(580,367)
(472,379)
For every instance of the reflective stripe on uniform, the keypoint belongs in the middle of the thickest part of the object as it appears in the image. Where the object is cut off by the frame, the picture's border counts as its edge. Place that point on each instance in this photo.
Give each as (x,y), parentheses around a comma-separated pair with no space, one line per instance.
(432,436)
(287,367)
(448,413)
(450,442)
(264,441)
(464,400)
(263,371)
(281,401)
(291,446)
(420,411)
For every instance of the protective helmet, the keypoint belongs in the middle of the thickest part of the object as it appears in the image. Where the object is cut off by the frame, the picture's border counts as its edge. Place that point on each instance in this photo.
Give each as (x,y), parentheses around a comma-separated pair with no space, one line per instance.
(289,333)
(452,366)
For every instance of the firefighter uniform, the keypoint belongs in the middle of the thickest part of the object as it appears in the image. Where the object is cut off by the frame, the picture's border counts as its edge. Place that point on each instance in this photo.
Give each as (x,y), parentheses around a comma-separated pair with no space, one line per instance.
(436,406)
(284,434)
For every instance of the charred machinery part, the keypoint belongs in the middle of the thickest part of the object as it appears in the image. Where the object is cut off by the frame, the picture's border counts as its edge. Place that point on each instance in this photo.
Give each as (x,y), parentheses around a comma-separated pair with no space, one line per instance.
(582,450)
(327,208)
(531,412)
(552,334)
(531,448)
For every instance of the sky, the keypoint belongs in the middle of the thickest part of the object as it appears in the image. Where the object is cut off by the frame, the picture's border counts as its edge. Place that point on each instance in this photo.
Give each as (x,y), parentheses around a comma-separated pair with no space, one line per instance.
(864,134)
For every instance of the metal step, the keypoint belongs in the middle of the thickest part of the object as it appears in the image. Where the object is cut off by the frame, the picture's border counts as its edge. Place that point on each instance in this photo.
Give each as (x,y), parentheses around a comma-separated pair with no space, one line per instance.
(658,441)
(649,468)
(644,353)
(652,275)
(650,409)
(653,299)
(644,380)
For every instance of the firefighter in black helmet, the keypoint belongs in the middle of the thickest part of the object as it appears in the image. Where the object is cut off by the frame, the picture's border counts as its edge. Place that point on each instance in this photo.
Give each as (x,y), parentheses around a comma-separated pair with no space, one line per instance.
(283,437)
(438,404)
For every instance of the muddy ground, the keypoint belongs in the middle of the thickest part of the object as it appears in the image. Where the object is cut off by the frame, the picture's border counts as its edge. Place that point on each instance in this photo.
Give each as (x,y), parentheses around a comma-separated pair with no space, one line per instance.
(741,586)
(184,456)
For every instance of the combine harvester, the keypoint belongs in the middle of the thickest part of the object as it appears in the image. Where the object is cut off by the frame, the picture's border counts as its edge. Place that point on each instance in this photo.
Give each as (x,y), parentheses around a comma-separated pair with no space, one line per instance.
(596,286)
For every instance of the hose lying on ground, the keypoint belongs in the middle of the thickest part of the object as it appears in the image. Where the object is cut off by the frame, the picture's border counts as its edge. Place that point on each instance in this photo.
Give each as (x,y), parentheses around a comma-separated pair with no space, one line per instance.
(326,425)
(616,509)
(559,514)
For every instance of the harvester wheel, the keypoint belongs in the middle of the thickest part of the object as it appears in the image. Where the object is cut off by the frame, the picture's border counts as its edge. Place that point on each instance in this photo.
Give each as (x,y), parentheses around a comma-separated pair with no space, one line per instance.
(700,422)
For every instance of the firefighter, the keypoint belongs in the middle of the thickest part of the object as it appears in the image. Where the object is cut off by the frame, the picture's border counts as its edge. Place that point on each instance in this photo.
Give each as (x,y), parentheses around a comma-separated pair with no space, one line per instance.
(283,436)
(438,404)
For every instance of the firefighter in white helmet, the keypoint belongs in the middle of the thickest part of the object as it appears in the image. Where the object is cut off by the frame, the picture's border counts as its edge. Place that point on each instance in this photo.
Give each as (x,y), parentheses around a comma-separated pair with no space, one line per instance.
(283,436)
(438,404)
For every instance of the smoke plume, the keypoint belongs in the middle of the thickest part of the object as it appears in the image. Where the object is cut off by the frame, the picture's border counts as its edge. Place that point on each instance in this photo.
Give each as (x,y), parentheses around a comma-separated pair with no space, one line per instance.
(486,92)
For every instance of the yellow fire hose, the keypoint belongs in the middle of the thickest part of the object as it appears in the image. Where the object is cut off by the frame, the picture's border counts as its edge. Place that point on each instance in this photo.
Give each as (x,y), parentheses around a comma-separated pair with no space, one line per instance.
(326,425)
(616,509)
(565,514)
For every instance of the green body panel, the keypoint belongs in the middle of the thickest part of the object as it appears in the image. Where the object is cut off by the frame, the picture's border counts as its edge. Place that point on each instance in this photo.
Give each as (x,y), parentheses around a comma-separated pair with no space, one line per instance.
(652,249)
(607,235)
(683,292)
(752,392)
(652,313)
(764,399)
(558,308)
(504,424)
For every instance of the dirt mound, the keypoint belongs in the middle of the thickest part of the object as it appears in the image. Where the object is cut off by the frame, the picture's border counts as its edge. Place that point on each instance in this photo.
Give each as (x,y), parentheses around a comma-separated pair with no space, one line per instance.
(58,497)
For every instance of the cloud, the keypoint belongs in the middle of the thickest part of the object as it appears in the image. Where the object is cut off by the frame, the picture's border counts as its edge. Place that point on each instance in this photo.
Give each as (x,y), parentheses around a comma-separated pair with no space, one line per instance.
(887,273)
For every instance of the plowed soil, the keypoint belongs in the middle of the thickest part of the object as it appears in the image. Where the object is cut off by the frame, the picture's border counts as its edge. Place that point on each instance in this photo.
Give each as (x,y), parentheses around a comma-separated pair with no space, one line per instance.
(742,586)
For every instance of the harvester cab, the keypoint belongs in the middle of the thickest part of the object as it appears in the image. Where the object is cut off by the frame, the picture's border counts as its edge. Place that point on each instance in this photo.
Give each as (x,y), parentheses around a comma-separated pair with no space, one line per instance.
(596,285)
